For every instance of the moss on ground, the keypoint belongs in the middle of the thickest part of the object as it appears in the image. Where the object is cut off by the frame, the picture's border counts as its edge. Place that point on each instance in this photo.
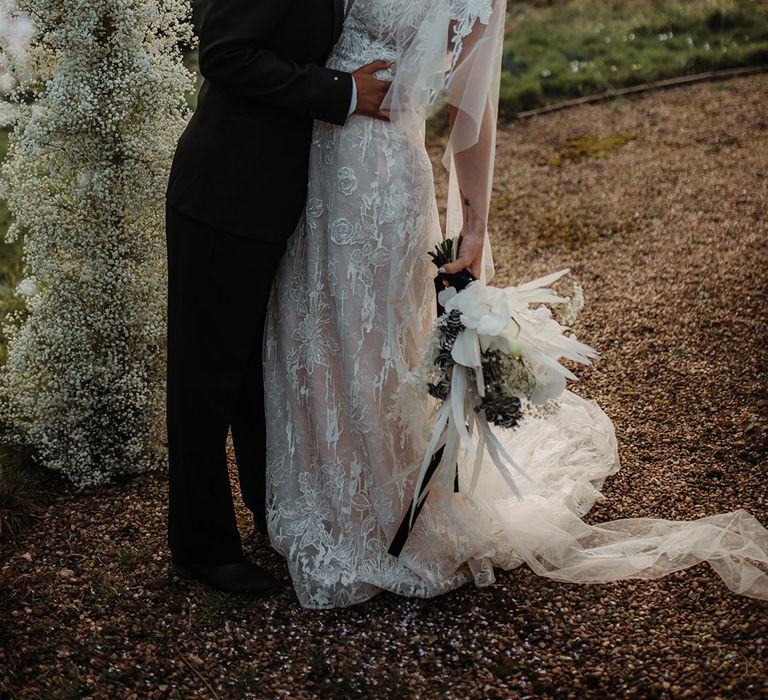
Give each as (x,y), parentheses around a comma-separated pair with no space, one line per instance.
(590,146)
(573,232)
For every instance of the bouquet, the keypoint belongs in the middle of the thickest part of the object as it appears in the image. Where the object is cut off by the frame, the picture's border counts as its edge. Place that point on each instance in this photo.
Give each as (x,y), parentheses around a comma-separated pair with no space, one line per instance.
(492,352)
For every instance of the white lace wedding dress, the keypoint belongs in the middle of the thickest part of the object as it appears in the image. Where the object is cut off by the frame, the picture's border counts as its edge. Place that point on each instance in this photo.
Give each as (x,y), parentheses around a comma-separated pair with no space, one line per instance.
(349,317)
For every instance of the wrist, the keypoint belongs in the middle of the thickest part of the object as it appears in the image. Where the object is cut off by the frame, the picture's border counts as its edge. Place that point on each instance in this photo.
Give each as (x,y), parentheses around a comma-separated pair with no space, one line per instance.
(473,223)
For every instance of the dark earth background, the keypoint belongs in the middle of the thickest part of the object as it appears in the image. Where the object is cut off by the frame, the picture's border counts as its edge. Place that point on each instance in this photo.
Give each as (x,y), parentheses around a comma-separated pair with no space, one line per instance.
(658,205)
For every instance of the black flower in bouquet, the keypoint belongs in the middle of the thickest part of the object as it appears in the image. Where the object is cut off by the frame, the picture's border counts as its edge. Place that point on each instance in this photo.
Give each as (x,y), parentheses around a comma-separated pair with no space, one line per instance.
(445,253)
(507,378)
(506,411)
(450,326)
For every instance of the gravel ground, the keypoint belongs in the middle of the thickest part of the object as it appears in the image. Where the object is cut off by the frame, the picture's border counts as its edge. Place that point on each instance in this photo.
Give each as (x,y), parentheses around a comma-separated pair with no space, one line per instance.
(659,207)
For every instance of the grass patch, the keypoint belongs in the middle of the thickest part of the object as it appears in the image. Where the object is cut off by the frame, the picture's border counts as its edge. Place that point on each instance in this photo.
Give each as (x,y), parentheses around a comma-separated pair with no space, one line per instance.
(562,50)
(589,147)
(109,588)
(129,558)
(11,268)
(573,232)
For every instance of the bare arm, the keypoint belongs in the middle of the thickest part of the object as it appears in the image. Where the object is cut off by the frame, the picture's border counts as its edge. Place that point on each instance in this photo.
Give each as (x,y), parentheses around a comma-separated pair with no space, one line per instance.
(473,169)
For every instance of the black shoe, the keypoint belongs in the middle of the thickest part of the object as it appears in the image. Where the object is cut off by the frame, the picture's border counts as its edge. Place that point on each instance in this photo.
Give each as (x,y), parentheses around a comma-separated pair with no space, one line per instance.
(241,577)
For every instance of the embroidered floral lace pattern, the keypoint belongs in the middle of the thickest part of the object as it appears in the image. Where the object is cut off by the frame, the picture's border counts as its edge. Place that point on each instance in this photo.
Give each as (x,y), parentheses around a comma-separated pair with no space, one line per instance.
(351,310)
(349,317)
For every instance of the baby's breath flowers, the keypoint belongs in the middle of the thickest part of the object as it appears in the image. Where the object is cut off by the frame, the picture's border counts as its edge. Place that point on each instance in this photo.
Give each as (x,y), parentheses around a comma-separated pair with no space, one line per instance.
(27,287)
(16,31)
(100,106)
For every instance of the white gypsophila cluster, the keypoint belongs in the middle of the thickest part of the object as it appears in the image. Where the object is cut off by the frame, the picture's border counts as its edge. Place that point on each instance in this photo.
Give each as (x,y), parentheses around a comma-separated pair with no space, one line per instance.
(101,109)
(569,312)
(16,32)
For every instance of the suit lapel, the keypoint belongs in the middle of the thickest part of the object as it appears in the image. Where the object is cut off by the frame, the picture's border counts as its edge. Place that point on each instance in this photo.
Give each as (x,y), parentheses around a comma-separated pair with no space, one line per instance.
(338,18)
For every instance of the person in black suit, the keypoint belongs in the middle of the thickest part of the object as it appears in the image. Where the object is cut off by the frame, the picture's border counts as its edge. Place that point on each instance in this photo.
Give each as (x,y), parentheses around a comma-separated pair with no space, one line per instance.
(236,192)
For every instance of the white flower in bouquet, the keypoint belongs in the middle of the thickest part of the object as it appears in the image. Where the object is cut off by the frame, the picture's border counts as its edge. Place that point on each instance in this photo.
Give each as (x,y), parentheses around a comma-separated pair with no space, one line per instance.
(506,320)
(485,314)
(16,32)
(570,311)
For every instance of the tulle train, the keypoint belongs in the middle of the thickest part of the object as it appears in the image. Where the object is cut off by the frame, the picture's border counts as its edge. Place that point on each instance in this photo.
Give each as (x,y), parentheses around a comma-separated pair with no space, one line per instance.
(568,454)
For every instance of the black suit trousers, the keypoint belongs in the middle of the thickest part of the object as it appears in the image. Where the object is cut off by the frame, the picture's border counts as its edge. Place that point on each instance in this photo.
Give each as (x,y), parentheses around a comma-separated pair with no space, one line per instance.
(218,290)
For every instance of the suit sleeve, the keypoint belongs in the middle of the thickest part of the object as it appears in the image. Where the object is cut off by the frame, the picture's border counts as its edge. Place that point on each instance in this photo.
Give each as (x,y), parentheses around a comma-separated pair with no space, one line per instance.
(233,55)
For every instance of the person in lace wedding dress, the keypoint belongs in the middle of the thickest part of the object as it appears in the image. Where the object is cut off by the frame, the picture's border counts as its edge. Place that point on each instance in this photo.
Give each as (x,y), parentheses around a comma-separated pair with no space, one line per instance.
(349,317)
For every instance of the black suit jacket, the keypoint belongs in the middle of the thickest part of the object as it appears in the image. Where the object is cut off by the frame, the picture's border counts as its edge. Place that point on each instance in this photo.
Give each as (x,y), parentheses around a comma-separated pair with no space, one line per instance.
(241,164)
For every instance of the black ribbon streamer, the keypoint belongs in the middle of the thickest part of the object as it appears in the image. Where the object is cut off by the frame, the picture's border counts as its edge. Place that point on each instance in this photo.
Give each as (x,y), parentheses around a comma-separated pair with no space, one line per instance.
(405,525)
(459,280)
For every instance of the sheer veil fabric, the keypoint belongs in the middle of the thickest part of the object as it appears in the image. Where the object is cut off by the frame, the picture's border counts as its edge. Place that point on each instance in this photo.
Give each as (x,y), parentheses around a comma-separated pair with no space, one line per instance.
(452,54)
(349,318)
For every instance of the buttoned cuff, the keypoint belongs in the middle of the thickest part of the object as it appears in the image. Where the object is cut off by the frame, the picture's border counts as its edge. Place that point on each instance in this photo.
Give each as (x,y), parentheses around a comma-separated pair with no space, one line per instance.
(334,91)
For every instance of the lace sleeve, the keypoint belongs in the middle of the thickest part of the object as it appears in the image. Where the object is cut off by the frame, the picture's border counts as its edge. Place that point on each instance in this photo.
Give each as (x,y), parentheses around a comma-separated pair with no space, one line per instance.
(465,14)
(469,11)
